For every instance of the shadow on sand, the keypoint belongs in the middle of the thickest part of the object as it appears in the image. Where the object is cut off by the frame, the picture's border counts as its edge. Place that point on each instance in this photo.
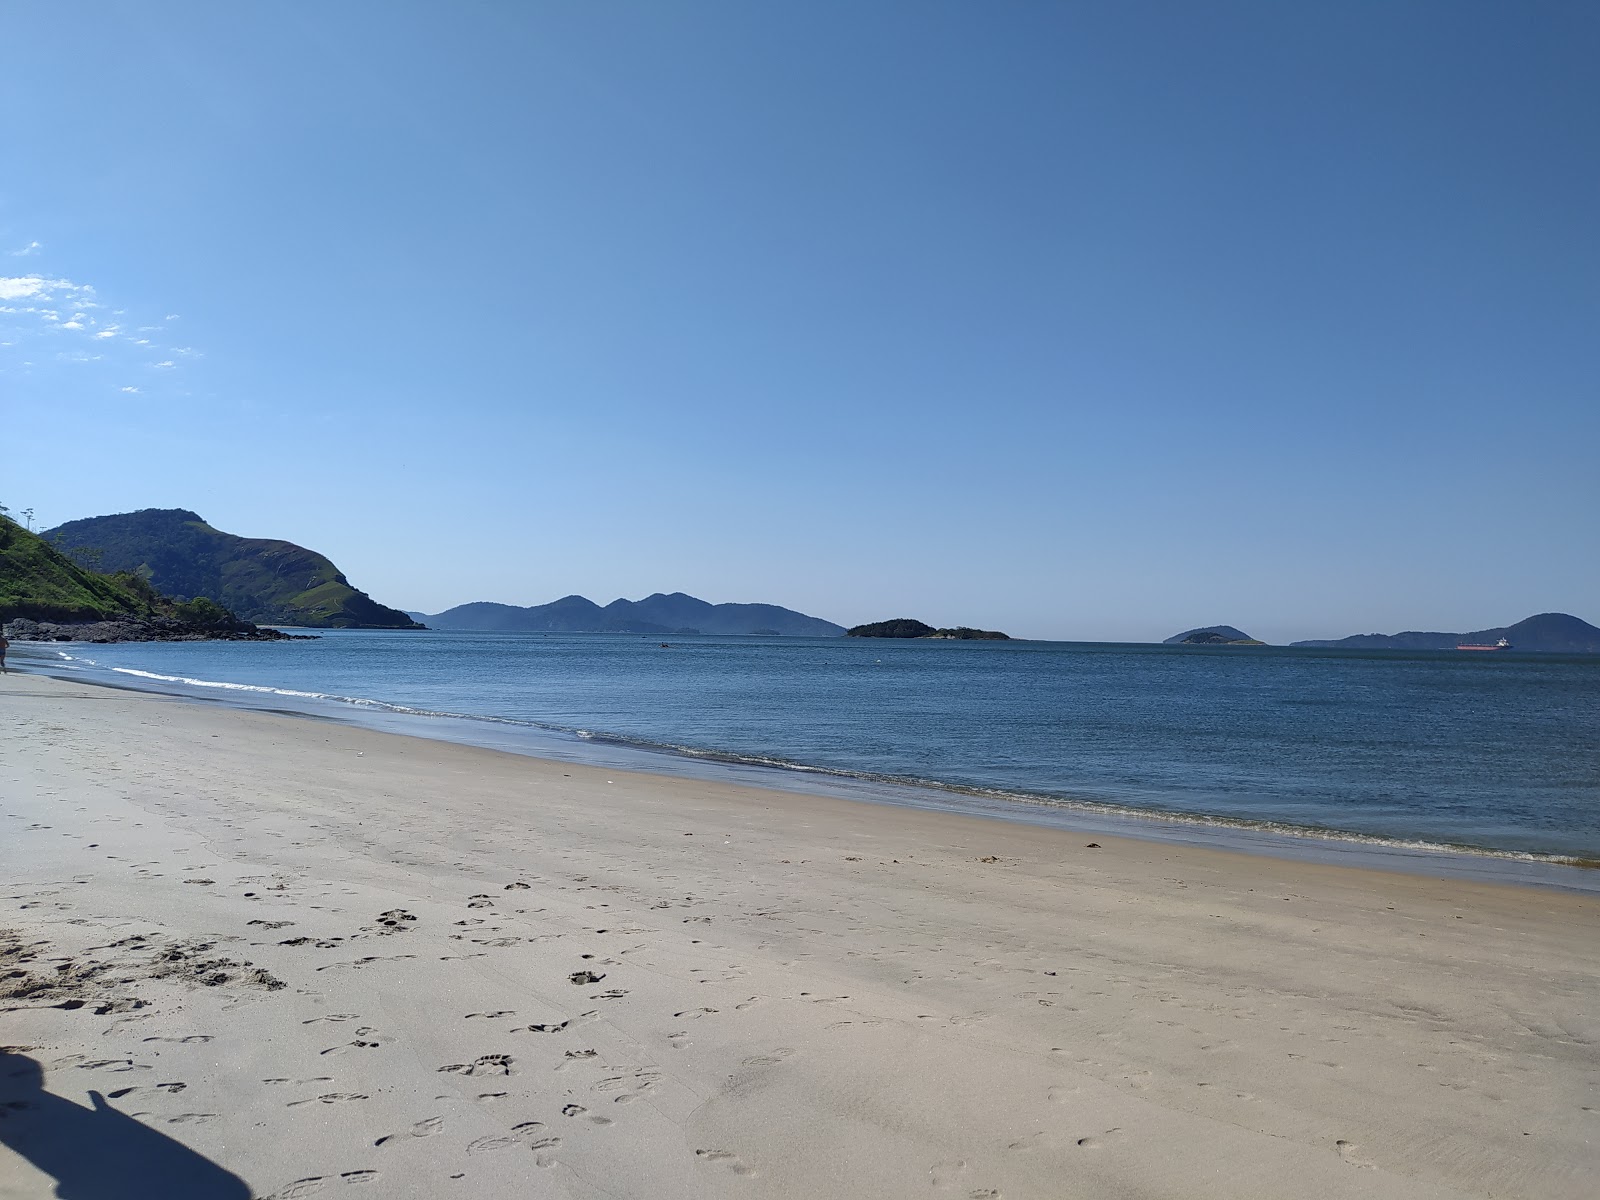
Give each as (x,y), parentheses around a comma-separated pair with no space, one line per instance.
(99,1153)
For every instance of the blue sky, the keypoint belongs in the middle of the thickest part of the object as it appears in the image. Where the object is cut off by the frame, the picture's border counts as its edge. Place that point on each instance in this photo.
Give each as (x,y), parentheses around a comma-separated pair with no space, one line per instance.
(1076,320)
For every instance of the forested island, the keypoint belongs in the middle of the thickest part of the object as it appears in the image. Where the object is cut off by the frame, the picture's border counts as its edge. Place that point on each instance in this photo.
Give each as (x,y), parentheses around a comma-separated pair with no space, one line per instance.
(905,627)
(1213,635)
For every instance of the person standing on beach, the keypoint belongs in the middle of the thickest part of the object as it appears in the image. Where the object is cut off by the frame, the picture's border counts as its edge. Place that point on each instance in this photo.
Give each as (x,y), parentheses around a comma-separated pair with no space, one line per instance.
(3,645)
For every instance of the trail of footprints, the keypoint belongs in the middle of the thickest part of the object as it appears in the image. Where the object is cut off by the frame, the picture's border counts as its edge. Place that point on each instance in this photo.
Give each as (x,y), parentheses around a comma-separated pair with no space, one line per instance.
(623,1086)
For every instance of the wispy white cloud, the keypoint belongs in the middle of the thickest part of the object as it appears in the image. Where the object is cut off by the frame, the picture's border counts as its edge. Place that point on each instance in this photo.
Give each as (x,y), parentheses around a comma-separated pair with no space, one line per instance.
(52,319)
(24,287)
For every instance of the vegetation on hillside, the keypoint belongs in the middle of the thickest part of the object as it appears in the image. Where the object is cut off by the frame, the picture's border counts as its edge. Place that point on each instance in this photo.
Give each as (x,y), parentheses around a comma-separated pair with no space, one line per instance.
(264,580)
(40,583)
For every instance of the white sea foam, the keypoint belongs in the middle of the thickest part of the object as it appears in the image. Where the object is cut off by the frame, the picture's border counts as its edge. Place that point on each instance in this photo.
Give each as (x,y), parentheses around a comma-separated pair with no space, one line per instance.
(238,687)
(1001,798)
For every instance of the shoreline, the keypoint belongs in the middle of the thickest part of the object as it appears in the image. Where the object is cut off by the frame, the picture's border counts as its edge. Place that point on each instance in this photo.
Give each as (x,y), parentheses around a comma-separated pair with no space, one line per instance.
(309,954)
(1305,843)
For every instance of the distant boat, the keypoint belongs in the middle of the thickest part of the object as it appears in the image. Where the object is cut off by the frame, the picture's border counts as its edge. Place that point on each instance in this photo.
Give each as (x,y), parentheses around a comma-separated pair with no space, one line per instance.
(1502,644)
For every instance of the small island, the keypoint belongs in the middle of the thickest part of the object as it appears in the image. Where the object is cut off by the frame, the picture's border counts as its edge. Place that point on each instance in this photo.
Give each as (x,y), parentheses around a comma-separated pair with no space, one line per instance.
(905,627)
(1213,635)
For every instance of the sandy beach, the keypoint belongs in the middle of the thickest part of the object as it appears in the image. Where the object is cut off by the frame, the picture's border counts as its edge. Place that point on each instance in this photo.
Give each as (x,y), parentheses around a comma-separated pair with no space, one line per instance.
(246,954)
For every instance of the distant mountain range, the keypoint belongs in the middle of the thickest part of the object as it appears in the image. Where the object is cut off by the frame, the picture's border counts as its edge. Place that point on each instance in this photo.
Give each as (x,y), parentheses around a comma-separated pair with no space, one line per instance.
(1549,633)
(1212,635)
(264,580)
(656,614)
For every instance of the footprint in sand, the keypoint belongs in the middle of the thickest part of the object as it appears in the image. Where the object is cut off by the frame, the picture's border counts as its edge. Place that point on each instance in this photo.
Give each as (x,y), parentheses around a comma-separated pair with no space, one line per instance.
(1098,1142)
(574,1057)
(725,1158)
(529,1134)
(768,1060)
(366,1038)
(488,1064)
(424,1128)
(328,1098)
(361,962)
(1347,1152)
(113,1064)
(578,1110)
(170,1088)
(952,1176)
(548,1027)
(1033,1141)
(313,1184)
(631,1086)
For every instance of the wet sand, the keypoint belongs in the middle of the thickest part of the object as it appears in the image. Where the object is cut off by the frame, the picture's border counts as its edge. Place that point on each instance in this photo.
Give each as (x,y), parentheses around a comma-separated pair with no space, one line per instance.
(291,957)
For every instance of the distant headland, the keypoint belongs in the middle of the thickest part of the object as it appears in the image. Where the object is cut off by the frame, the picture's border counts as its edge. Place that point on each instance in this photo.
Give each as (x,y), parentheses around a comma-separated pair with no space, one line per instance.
(905,627)
(265,580)
(46,597)
(1545,633)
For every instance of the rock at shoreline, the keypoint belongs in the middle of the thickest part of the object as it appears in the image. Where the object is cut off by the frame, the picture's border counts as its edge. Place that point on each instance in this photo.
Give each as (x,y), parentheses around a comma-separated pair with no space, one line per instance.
(140,629)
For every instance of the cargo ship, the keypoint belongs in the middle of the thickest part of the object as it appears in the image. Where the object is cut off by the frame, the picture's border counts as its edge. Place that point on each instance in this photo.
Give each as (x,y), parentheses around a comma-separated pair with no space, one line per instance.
(1502,644)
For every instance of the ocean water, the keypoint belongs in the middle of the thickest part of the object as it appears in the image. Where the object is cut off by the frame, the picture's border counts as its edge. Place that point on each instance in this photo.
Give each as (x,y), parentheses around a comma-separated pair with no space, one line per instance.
(1496,754)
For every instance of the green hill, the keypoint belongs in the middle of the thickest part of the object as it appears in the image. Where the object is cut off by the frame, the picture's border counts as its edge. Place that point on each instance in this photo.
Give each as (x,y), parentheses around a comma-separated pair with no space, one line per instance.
(39,582)
(263,580)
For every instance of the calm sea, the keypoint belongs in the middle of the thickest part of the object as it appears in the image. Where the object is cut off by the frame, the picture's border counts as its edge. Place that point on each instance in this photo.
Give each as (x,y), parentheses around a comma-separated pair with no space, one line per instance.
(1497,753)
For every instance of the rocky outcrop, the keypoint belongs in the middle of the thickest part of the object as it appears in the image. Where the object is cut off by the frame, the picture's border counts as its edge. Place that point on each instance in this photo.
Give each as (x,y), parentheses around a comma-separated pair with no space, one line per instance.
(140,629)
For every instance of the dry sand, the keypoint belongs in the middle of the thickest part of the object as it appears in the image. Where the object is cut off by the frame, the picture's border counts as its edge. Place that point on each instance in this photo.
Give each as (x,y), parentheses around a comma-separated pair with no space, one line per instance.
(333,962)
